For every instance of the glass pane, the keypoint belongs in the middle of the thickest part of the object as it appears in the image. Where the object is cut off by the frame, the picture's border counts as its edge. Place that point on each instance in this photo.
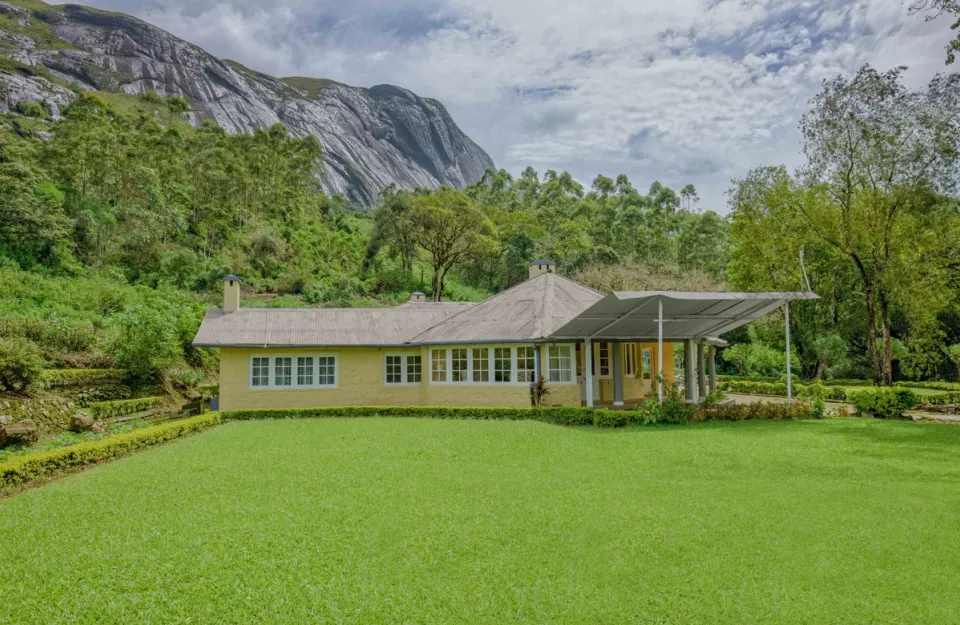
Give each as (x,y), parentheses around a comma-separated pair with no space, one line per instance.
(283,371)
(526,367)
(560,363)
(413,369)
(394,369)
(458,364)
(502,365)
(438,363)
(604,360)
(305,371)
(326,371)
(481,364)
(261,372)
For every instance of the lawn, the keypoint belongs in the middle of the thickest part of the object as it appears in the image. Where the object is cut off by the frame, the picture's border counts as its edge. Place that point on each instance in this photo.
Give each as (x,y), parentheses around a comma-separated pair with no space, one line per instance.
(415,521)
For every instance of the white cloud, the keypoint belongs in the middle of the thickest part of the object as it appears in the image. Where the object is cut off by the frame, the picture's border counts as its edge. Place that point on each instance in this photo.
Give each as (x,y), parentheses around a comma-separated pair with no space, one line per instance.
(687,91)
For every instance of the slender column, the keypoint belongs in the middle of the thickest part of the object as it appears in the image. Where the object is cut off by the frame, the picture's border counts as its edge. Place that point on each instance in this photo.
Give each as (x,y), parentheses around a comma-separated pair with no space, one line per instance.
(690,370)
(660,350)
(701,372)
(712,364)
(588,371)
(786,310)
(617,375)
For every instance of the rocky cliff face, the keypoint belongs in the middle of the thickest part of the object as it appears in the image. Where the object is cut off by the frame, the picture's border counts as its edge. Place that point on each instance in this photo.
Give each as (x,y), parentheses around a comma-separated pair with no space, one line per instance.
(371,137)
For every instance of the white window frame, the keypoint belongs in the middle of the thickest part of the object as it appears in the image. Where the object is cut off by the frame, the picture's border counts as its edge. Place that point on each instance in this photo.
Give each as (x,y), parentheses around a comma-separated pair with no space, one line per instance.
(272,372)
(573,365)
(490,347)
(609,360)
(404,368)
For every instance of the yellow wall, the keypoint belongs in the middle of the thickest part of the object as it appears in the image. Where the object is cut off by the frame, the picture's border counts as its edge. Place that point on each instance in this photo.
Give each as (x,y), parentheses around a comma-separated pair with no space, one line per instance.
(360,377)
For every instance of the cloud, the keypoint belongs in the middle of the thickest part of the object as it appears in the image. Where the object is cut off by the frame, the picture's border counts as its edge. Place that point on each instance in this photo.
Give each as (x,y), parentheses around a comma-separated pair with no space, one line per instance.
(687,91)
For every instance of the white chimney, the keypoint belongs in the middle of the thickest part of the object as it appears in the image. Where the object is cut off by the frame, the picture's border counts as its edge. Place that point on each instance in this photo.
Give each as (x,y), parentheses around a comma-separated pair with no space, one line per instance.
(231,293)
(540,267)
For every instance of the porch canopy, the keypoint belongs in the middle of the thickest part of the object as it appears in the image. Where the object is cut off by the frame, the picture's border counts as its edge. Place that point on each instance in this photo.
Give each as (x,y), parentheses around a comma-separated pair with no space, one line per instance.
(673,316)
(636,315)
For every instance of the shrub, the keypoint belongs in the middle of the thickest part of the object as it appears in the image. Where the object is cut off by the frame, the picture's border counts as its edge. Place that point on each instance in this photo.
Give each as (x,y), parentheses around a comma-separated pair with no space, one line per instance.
(816,393)
(779,389)
(26,468)
(933,386)
(31,108)
(108,409)
(209,390)
(940,399)
(58,378)
(757,411)
(20,364)
(884,403)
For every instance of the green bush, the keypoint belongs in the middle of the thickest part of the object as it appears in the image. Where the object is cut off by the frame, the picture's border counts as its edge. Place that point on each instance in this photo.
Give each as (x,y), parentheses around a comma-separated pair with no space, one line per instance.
(30,108)
(940,399)
(108,409)
(26,468)
(209,390)
(757,411)
(20,364)
(884,403)
(58,378)
(779,389)
(933,386)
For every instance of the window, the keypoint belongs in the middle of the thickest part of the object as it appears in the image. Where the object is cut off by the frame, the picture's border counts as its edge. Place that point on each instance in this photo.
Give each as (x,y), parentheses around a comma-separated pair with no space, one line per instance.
(260,372)
(526,365)
(413,369)
(481,364)
(458,364)
(401,369)
(304,370)
(630,355)
(270,372)
(438,364)
(646,365)
(394,369)
(604,360)
(559,363)
(502,365)
(283,371)
(326,371)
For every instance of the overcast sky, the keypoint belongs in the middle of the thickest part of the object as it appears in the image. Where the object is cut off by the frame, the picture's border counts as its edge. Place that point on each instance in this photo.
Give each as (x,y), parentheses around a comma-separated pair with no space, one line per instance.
(681,91)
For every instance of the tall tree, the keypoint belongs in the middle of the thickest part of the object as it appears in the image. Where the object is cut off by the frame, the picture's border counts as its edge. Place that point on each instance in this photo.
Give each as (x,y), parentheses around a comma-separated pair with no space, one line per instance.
(934,9)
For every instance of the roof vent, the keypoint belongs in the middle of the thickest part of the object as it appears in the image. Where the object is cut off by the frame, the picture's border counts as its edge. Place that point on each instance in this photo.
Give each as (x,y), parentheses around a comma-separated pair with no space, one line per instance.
(418,297)
(540,267)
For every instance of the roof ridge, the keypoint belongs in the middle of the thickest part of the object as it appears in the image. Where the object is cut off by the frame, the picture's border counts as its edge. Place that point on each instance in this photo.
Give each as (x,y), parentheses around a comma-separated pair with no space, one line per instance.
(543,304)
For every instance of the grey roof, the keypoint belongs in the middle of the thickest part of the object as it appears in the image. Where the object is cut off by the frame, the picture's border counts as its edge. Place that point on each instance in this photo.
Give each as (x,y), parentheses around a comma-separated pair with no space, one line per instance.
(315,327)
(452,307)
(231,278)
(634,314)
(529,311)
(543,262)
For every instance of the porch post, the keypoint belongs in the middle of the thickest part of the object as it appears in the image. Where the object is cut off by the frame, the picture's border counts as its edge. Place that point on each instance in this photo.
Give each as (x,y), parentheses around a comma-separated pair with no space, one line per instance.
(588,370)
(689,370)
(660,350)
(712,364)
(786,311)
(701,372)
(617,375)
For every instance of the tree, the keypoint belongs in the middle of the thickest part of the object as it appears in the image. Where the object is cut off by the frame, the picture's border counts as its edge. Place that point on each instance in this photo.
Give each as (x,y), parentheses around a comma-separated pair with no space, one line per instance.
(936,8)
(873,149)
(447,225)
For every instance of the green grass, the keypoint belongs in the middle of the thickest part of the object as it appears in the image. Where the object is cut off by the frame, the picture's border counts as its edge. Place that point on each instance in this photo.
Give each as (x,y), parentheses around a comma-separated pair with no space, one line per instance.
(312,86)
(64,439)
(418,521)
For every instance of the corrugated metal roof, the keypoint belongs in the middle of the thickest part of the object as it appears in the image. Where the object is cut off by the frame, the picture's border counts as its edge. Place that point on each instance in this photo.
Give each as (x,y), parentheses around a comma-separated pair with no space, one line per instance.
(451,307)
(315,327)
(634,314)
(531,310)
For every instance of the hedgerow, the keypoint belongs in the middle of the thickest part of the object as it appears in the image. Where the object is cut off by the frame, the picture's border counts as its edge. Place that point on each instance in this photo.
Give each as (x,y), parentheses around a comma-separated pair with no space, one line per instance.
(934,386)
(884,403)
(108,409)
(780,389)
(56,378)
(940,399)
(27,468)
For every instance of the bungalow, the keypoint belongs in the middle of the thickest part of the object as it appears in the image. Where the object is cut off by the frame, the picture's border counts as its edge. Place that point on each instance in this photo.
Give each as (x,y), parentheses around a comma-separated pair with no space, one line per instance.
(589,347)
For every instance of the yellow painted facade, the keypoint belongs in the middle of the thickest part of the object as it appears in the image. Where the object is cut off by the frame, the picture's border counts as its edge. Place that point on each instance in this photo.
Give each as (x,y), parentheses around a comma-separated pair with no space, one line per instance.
(361,381)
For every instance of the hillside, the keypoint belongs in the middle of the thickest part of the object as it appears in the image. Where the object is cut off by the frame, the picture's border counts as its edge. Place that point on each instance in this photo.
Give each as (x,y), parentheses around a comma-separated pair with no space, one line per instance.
(371,137)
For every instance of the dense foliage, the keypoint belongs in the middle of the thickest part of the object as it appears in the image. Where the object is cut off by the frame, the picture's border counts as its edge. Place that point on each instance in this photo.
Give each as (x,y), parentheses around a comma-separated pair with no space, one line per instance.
(118,221)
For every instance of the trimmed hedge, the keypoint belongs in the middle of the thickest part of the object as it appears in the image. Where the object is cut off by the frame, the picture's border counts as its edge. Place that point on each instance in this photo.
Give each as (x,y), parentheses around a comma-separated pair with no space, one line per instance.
(557,415)
(55,378)
(940,399)
(757,411)
(779,389)
(22,469)
(884,403)
(933,386)
(108,409)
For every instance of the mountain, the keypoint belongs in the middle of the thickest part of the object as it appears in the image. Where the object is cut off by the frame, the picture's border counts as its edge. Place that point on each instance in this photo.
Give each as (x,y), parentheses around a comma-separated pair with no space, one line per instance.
(371,137)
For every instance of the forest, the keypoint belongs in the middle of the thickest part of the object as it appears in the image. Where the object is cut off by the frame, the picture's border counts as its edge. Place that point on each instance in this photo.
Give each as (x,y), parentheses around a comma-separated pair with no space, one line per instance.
(118,220)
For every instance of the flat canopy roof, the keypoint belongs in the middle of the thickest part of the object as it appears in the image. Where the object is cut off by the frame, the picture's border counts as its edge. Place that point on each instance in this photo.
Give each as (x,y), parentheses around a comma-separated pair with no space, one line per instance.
(686,315)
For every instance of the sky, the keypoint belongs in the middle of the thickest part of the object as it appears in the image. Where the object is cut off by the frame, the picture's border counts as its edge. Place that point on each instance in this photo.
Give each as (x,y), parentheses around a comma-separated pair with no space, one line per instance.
(685,91)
